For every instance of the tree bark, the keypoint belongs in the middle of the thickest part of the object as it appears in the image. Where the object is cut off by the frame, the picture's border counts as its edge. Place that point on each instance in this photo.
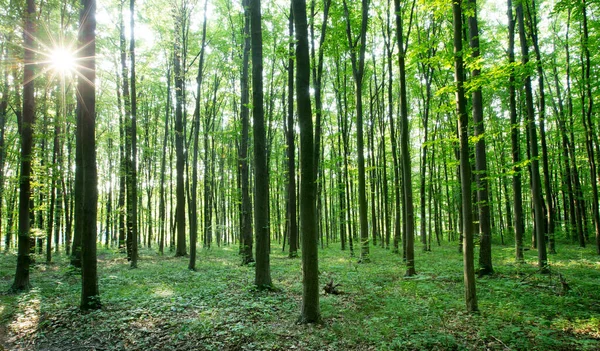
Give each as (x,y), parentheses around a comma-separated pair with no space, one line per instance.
(90,296)
(308,214)
(481,175)
(261,171)
(21,281)
(465,167)
(536,187)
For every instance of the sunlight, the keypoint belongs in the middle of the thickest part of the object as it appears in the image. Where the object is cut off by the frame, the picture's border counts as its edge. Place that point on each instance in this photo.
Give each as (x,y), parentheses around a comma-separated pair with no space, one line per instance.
(62,61)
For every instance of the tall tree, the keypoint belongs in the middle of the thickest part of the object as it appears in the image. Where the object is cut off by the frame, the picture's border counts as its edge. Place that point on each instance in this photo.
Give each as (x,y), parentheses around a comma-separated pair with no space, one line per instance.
(465,167)
(481,175)
(246,239)
(3,112)
(261,171)
(590,132)
(308,213)
(518,225)
(132,122)
(291,151)
(21,281)
(358,70)
(409,211)
(196,131)
(536,186)
(179,73)
(90,296)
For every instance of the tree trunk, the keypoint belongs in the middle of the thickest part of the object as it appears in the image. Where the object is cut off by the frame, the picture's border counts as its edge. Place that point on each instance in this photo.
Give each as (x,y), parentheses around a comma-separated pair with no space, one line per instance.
(481,175)
(21,281)
(518,225)
(179,138)
(308,215)
(358,68)
(291,151)
(409,217)
(246,238)
(196,132)
(261,171)
(536,187)
(132,186)
(465,167)
(90,296)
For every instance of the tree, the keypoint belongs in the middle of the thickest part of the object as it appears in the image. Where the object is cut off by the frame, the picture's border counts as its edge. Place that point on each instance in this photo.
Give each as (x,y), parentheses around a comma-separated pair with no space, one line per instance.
(261,171)
(86,128)
(409,212)
(246,239)
(291,152)
(358,69)
(21,281)
(179,136)
(308,214)
(481,175)
(536,187)
(518,225)
(132,123)
(465,167)
(194,192)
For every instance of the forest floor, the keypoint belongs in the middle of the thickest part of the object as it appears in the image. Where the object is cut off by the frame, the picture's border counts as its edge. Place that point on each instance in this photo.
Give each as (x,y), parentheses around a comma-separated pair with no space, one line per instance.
(164,306)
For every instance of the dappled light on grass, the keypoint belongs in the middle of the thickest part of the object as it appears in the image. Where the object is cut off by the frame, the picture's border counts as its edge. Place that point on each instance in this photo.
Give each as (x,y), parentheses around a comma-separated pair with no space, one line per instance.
(164,306)
(27,317)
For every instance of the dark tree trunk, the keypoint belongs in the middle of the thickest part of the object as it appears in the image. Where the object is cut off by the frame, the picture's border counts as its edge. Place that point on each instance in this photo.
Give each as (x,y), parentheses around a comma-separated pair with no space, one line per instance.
(590,135)
(3,110)
(261,171)
(162,213)
(179,139)
(132,178)
(409,213)
(90,296)
(196,132)
(308,212)
(550,208)
(518,224)
(21,281)
(465,167)
(291,151)
(246,237)
(358,68)
(481,175)
(536,187)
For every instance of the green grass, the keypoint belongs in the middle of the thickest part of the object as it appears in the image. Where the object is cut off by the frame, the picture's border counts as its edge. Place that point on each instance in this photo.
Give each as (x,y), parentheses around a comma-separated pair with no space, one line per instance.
(164,306)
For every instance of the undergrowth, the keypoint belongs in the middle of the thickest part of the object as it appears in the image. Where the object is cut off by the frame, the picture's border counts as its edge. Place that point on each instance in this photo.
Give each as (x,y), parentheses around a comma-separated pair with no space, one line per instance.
(164,306)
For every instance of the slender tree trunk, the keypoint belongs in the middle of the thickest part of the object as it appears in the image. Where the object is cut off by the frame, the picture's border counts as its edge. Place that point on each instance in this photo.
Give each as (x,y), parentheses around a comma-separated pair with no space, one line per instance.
(550,208)
(196,132)
(133,194)
(246,238)
(409,217)
(163,168)
(591,137)
(179,139)
(21,281)
(291,151)
(465,167)
(3,110)
(536,187)
(518,224)
(358,68)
